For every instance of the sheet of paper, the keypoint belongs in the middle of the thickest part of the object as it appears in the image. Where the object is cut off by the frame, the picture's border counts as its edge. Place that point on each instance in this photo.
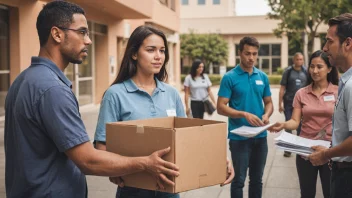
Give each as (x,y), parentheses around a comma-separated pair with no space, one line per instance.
(298,145)
(247,131)
(300,141)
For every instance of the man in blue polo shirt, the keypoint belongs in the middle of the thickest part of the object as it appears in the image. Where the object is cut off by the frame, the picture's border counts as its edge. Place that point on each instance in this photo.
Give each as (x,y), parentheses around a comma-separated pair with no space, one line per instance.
(47,149)
(245,89)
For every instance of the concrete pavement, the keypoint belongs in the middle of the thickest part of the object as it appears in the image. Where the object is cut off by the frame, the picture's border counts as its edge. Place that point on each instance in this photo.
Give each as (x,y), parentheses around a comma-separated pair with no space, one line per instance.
(280,176)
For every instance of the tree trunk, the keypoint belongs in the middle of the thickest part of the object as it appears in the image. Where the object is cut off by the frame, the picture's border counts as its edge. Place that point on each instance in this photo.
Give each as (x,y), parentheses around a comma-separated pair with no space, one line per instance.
(305,48)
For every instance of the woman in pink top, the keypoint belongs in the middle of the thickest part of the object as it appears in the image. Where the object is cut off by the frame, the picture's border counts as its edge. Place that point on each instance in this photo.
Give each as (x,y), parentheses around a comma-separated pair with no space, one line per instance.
(313,105)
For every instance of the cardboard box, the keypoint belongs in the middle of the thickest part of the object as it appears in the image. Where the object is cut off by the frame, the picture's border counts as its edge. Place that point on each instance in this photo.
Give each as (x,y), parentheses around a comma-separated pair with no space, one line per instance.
(198,148)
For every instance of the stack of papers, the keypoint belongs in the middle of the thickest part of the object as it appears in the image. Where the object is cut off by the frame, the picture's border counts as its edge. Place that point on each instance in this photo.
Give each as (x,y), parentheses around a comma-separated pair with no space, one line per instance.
(298,145)
(246,131)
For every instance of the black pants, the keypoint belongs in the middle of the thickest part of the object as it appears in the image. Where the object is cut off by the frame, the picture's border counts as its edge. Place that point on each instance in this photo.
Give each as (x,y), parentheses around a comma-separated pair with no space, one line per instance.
(197,108)
(307,175)
(341,182)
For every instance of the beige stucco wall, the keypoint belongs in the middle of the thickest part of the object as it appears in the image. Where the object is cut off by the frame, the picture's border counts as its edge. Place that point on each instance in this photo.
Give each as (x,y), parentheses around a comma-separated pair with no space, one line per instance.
(193,10)
(24,42)
(229,25)
(109,49)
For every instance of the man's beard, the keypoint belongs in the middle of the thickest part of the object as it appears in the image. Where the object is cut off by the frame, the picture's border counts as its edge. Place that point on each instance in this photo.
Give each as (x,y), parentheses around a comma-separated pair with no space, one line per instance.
(73,60)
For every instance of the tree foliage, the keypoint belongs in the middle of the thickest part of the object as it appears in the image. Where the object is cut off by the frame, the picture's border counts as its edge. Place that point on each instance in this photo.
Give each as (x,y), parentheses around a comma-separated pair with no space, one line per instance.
(210,48)
(305,16)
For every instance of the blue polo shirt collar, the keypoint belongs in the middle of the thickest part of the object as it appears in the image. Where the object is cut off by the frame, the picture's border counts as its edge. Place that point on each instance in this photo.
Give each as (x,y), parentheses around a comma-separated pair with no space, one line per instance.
(51,65)
(240,71)
(132,87)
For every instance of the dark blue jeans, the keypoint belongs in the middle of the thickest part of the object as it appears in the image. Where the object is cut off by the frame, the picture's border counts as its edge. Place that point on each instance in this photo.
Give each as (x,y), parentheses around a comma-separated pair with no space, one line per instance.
(341,182)
(288,110)
(248,154)
(131,192)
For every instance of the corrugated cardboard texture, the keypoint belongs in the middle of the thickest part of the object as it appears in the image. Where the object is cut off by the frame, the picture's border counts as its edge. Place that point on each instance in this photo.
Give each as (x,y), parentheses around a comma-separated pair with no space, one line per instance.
(201,156)
(198,147)
(125,140)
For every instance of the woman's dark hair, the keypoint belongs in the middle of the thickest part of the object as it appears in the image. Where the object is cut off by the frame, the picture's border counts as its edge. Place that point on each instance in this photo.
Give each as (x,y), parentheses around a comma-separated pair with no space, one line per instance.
(56,13)
(128,66)
(333,76)
(194,68)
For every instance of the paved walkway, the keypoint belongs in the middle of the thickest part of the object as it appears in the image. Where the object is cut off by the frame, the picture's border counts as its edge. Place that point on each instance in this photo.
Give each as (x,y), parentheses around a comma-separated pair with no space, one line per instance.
(280,176)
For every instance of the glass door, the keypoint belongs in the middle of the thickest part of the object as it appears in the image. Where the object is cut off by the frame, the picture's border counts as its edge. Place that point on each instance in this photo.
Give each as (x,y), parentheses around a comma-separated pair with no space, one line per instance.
(4,57)
(82,78)
(85,78)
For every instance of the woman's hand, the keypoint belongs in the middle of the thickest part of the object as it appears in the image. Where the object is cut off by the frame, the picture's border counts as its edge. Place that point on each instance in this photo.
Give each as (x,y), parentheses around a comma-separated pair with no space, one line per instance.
(277,127)
(188,111)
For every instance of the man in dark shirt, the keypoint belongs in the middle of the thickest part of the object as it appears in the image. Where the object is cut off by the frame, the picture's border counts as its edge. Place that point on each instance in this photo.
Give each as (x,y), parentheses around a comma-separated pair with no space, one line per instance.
(293,78)
(47,149)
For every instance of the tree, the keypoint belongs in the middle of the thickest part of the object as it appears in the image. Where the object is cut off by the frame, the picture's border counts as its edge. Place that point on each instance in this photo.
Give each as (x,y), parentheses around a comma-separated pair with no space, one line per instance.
(210,48)
(303,17)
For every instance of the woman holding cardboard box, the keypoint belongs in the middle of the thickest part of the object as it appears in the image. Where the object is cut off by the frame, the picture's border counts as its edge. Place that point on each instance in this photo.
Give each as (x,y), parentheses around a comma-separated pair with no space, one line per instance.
(139,92)
(313,105)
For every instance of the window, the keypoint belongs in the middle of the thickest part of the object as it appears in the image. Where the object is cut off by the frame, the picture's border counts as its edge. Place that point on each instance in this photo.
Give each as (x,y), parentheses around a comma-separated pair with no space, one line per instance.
(184,2)
(269,57)
(201,2)
(216,2)
(4,57)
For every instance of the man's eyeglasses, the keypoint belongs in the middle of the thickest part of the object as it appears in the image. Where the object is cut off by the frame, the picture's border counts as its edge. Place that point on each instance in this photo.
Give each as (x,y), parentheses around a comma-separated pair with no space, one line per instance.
(82,31)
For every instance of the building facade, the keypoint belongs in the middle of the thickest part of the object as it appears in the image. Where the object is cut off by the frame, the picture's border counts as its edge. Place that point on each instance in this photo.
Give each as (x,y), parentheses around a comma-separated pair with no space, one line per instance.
(219,16)
(110,22)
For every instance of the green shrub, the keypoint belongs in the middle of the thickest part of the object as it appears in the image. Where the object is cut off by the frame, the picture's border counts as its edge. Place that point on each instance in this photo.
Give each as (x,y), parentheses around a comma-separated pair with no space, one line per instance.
(215,79)
(280,71)
(274,79)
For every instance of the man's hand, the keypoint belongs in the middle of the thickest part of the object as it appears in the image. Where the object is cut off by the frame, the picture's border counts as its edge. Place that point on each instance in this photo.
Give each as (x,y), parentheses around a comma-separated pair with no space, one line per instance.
(253,119)
(159,168)
(277,127)
(230,174)
(319,156)
(281,108)
(265,119)
(117,180)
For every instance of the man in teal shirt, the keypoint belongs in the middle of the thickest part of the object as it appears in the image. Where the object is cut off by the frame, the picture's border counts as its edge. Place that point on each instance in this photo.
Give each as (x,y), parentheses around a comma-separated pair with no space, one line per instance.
(245,89)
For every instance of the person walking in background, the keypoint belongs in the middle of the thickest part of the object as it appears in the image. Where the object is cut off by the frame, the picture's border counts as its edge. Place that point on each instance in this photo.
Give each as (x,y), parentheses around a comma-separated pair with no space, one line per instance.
(47,148)
(198,88)
(139,92)
(338,46)
(293,78)
(243,91)
(313,106)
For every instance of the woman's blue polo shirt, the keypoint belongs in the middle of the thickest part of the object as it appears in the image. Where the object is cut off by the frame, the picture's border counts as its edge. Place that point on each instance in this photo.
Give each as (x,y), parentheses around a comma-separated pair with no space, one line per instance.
(125,101)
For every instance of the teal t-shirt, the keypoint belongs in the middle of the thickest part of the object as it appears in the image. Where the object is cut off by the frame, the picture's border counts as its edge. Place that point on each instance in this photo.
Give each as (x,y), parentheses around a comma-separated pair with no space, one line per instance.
(245,93)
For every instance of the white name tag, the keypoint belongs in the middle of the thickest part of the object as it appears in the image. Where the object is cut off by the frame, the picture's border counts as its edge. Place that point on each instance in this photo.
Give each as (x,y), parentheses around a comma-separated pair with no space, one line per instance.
(329,98)
(171,112)
(259,82)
